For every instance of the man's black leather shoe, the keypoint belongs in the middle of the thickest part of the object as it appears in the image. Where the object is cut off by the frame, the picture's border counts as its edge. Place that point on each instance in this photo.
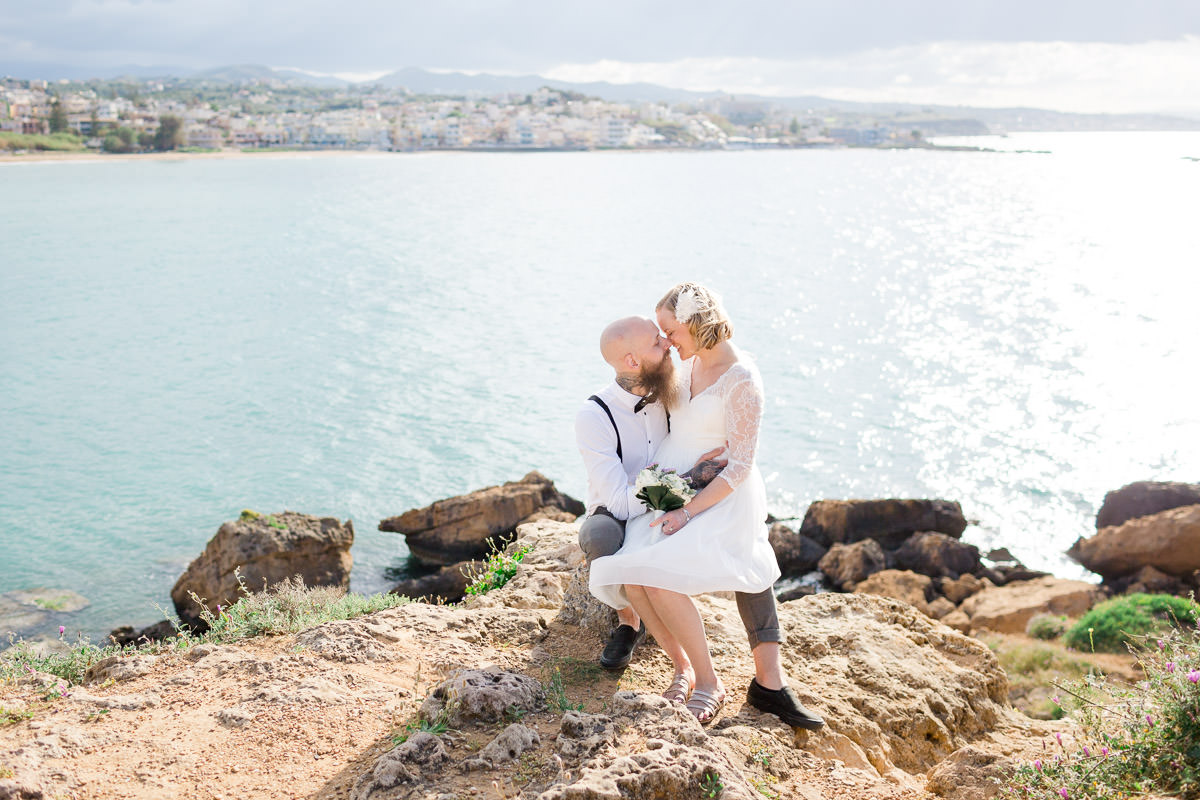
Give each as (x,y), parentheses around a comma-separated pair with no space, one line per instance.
(619,650)
(784,704)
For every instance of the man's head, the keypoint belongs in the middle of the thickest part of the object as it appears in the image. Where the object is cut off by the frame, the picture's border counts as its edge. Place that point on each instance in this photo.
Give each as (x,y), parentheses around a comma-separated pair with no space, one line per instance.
(641,358)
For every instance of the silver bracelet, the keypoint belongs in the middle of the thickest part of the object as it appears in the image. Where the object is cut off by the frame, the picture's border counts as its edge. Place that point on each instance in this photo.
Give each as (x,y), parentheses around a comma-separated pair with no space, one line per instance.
(687,514)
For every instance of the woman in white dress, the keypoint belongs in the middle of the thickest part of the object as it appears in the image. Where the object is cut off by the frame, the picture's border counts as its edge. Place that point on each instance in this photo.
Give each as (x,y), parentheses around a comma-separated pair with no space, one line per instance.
(718,541)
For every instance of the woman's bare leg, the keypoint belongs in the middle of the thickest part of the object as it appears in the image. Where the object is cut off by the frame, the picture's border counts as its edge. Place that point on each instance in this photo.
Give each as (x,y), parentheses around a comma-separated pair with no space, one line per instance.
(661,633)
(680,616)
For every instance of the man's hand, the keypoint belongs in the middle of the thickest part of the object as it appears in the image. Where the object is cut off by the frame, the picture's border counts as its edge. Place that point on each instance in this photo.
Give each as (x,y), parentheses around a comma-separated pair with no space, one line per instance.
(707,467)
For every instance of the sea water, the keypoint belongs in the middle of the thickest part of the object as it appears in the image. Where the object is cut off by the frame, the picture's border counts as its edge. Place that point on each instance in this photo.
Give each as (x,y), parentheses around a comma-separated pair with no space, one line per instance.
(361,334)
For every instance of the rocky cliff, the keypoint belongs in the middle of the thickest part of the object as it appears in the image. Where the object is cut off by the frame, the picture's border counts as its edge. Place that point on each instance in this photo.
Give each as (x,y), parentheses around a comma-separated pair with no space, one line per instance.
(500,698)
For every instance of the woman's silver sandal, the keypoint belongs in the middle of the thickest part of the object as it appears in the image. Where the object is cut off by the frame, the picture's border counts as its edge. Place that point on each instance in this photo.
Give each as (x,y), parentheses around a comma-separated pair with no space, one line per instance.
(704,706)
(679,689)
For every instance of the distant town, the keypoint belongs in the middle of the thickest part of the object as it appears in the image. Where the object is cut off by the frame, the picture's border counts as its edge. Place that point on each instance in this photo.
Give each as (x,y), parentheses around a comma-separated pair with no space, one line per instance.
(262,109)
(122,116)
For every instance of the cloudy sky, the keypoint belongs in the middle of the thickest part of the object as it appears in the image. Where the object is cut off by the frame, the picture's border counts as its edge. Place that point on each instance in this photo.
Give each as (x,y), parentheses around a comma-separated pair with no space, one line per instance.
(1075,55)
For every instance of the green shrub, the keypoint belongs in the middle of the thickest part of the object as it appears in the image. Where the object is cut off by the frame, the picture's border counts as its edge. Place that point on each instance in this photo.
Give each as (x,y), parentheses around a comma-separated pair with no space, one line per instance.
(1113,624)
(1046,626)
(498,570)
(1134,740)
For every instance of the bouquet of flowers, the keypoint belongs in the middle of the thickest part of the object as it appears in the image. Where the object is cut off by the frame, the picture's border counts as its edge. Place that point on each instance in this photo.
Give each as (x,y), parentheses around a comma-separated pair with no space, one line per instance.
(663,489)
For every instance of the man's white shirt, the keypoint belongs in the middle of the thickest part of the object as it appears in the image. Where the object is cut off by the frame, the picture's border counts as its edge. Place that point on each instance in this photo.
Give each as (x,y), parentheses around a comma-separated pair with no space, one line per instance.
(611,479)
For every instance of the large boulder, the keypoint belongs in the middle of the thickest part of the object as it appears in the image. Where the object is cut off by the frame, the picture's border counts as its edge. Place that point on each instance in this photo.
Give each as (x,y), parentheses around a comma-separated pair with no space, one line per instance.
(1008,608)
(796,553)
(462,528)
(1168,540)
(1143,498)
(847,564)
(264,550)
(937,555)
(890,522)
(903,585)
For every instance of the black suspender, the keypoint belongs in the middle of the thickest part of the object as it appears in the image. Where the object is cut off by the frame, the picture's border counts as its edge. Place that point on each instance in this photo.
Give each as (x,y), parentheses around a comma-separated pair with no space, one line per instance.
(601,403)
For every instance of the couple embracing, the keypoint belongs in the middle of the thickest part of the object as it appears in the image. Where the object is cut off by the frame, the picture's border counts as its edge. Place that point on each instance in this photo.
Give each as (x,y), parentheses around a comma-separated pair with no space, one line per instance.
(701,420)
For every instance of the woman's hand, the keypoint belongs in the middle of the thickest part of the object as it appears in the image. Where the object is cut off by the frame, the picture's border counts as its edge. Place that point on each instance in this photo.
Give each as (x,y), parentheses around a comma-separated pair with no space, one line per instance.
(672,521)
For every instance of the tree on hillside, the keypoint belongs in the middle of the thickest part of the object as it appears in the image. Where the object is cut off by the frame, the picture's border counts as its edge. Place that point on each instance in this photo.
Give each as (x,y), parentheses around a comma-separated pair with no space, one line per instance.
(169,134)
(58,117)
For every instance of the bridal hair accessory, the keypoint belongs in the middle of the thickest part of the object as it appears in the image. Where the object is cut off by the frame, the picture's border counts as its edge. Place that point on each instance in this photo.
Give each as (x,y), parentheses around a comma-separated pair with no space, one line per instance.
(687,305)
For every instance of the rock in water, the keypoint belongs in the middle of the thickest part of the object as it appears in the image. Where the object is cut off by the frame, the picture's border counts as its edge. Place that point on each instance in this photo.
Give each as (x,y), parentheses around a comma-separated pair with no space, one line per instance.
(831,522)
(460,528)
(268,549)
(1142,498)
(796,554)
(1168,540)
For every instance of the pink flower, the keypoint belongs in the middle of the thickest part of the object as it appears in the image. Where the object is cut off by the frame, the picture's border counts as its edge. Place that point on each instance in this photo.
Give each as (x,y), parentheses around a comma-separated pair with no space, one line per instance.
(1063,792)
(1194,675)
(1150,720)
(1170,666)
(1086,752)
(1104,751)
(62,629)
(1037,764)
(1058,736)
(1160,644)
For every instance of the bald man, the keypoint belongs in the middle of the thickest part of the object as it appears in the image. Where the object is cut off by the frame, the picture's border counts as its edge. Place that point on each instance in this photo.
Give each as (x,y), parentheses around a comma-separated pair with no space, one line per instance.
(618,431)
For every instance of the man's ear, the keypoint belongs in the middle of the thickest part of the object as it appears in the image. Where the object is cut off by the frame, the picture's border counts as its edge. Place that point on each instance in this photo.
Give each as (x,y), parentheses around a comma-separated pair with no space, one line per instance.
(631,362)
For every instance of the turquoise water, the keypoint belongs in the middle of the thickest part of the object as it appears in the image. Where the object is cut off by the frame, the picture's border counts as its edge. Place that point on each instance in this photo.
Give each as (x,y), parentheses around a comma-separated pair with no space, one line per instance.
(362,334)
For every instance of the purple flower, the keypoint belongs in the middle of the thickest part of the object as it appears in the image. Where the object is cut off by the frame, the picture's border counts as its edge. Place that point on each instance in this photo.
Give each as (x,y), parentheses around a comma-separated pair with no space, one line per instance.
(1160,644)
(1194,675)
(62,629)
(1037,764)
(1056,700)
(1063,792)
(1150,720)
(1058,736)
(1086,752)
(1170,666)
(1104,751)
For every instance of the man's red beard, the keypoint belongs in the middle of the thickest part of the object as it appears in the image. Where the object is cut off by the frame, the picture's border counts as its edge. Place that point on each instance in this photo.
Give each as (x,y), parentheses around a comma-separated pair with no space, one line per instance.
(659,382)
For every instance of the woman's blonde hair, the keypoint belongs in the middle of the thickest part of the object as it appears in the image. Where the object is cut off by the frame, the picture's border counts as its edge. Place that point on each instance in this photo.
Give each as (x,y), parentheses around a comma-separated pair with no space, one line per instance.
(701,310)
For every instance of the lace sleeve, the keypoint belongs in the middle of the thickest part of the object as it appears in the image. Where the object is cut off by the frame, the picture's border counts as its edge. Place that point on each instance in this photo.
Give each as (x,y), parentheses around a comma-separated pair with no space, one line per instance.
(743,415)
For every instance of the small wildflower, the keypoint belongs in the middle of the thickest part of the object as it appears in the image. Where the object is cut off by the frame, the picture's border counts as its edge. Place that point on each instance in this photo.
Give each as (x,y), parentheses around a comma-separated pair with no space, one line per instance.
(1037,764)
(1150,720)
(1160,644)
(1170,666)
(1058,736)
(1104,751)
(1086,753)
(1063,792)
(61,630)
(1194,675)
(1056,700)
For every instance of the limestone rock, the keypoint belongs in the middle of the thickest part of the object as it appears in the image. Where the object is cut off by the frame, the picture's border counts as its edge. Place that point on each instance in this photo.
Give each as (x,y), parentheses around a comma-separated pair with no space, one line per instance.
(422,754)
(796,553)
(581,734)
(447,585)
(961,588)
(1150,580)
(970,774)
(509,744)
(119,668)
(937,555)
(581,608)
(482,696)
(316,549)
(1167,540)
(460,528)
(890,521)
(906,690)
(1142,498)
(847,564)
(940,607)
(903,585)
(664,770)
(1008,609)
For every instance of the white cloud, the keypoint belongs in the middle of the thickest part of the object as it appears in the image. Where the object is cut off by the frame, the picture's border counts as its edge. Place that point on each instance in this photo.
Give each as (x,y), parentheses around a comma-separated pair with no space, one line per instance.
(1095,77)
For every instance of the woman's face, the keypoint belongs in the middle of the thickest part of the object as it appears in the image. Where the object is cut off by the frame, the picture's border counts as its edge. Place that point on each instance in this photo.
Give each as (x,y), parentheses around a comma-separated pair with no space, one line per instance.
(677,334)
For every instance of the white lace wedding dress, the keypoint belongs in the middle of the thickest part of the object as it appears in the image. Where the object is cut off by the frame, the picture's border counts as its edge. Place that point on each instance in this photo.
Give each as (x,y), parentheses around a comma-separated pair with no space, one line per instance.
(724,548)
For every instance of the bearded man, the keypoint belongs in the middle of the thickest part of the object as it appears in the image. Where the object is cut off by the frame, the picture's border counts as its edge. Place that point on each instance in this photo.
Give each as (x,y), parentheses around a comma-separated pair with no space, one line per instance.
(618,431)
